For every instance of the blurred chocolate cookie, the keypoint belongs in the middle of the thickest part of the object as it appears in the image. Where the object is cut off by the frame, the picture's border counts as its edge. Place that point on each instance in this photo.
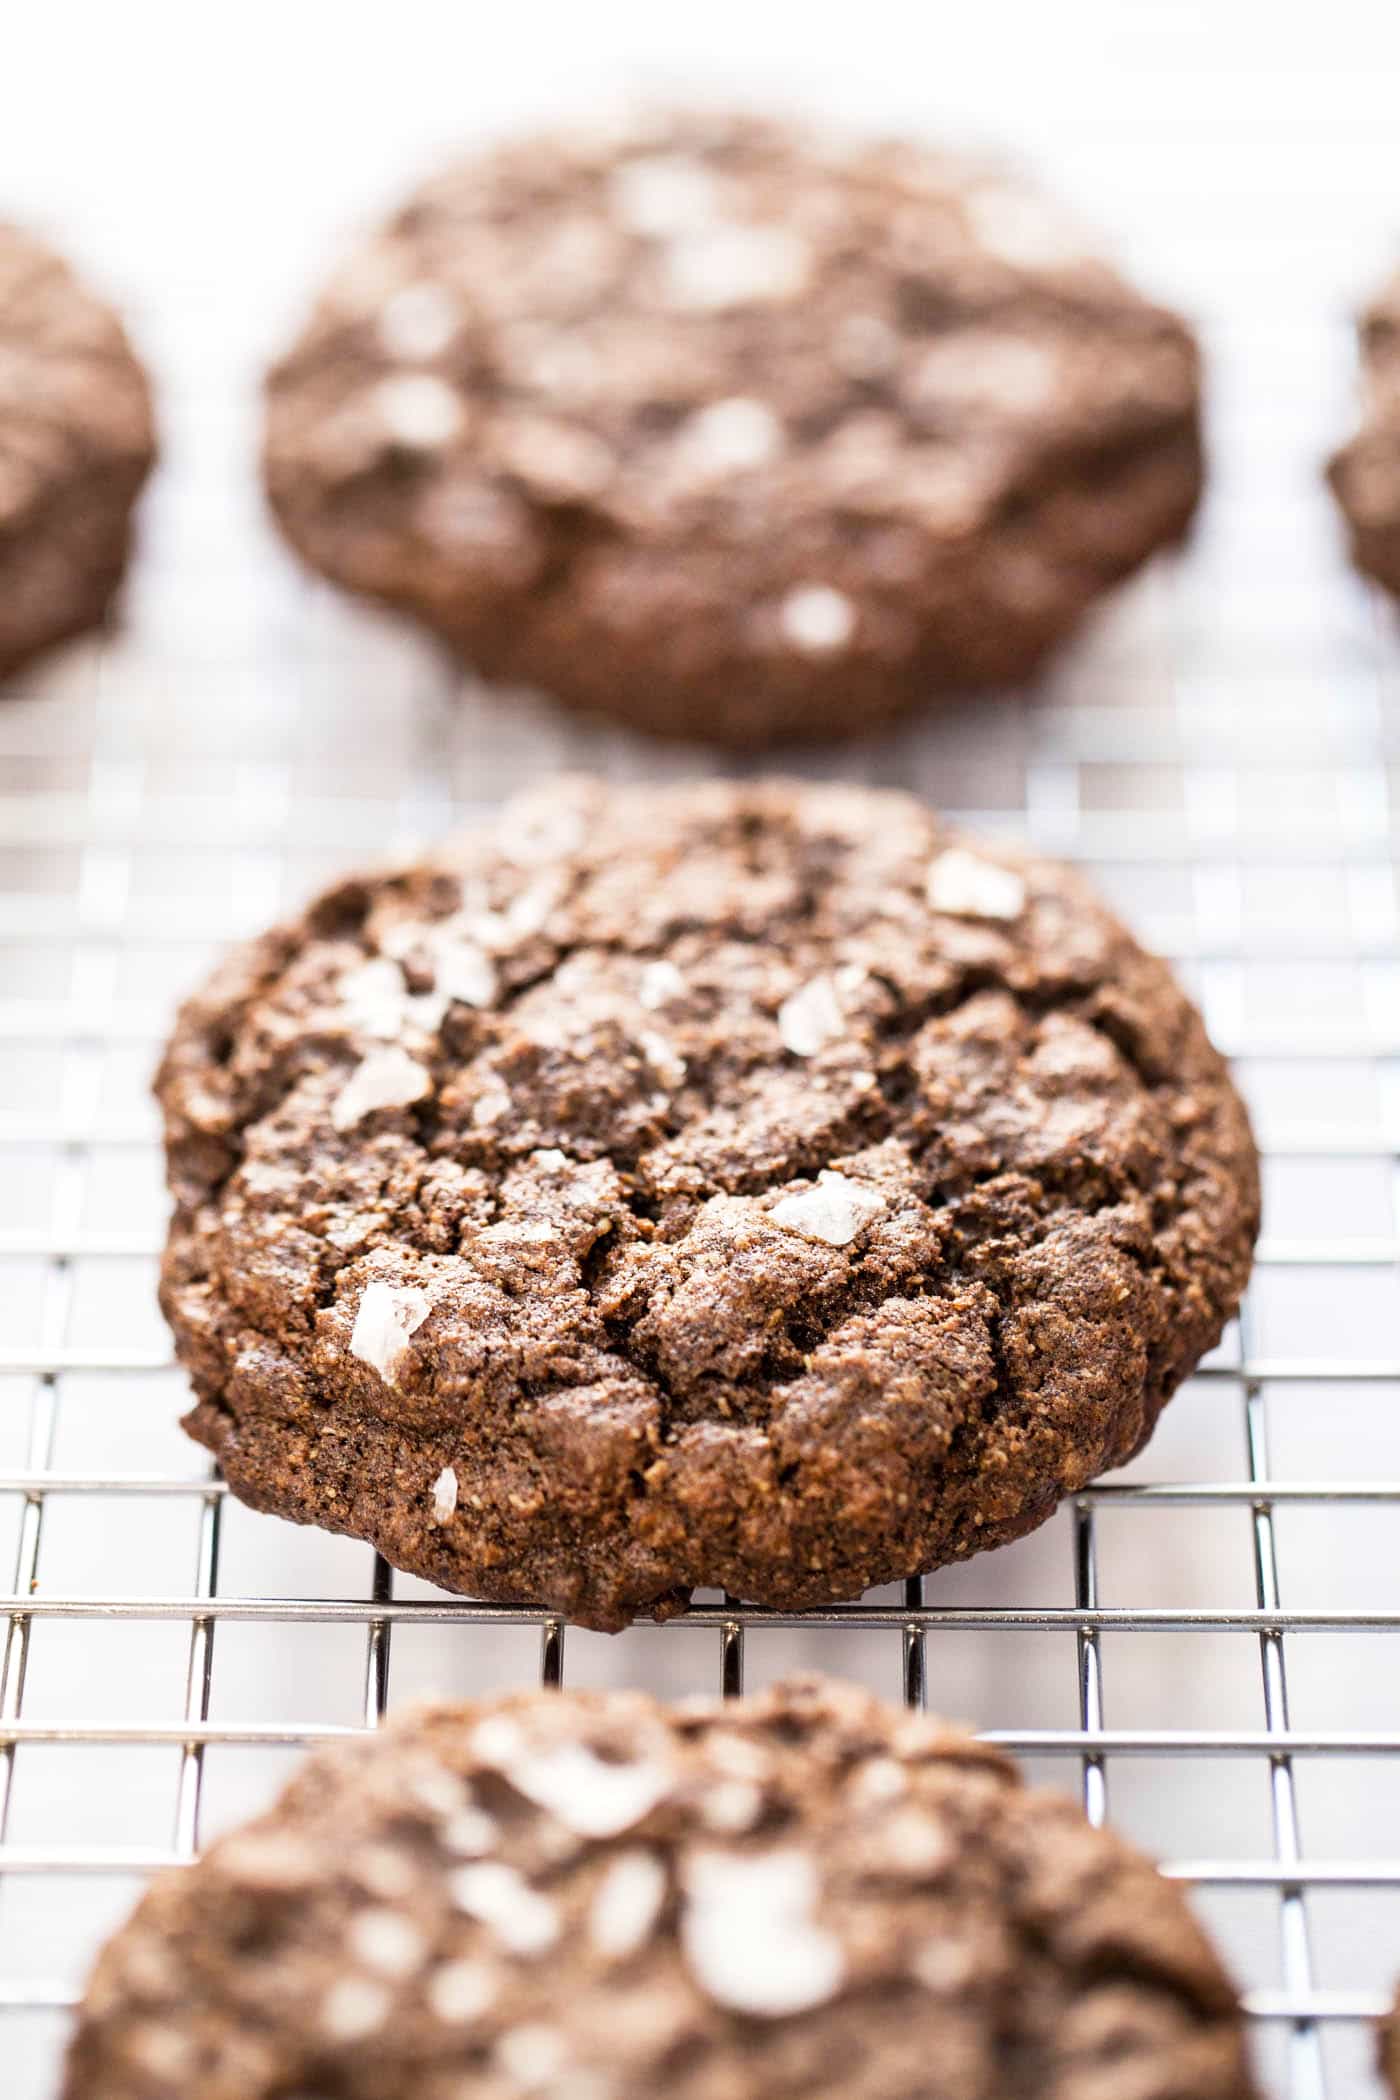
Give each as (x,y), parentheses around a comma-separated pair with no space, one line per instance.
(733,432)
(583,1896)
(76,443)
(750,1187)
(1365,474)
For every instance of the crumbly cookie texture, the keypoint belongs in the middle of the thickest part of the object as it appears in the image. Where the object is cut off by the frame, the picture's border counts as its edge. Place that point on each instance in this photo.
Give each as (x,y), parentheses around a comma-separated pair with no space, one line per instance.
(76,444)
(732,431)
(750,1186)
(1365,474)
(594,1897)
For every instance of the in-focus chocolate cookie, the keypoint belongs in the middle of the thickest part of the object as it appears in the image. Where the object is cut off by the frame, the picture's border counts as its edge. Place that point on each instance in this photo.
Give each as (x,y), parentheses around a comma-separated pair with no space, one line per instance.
(731,431)
(1365,474)
(76,444)
(749,1186)
(593,1897)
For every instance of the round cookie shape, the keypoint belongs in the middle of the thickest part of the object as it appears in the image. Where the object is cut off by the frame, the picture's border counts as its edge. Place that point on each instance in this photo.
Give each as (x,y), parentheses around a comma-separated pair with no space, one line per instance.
(594,1897)
(76,444)
(1365,474)
(731,431)
(747,1186)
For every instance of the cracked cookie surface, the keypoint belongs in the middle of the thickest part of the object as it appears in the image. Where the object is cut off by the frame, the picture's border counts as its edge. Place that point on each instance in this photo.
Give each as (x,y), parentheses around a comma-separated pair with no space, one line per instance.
(593,1897)
(1365,474)
(732,431)
(743,1186)
(76,444)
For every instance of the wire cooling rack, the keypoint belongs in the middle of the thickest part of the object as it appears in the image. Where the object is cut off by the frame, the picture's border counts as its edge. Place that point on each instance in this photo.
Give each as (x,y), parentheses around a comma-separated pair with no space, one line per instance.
(1206,1647)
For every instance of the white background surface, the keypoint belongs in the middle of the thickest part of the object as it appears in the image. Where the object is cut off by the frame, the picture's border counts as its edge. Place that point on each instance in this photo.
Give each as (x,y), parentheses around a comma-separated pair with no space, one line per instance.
(1219,750)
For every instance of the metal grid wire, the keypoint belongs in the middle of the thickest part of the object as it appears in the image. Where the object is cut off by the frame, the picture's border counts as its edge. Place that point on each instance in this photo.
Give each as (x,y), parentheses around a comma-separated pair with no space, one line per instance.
(1204,1646)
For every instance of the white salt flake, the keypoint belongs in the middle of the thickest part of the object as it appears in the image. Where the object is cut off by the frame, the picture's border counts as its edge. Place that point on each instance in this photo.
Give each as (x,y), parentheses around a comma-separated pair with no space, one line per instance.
(497,1741)
(659,982)
(387,1943)
(418,323)
(444,1495)
(387,1078)
(733,1806)
(817,619)
(1023,229)
(588,1795)
(384,1871)
(627,1904)
(967,887)
(663,1057)
(388,1315)
(460,1991)
(882,1779)
(440,1792)
(261,1862)
(663,194)
(496,1895)
(533,2056)
(353,2008)
(418,410)
(728,265)
(463,971)
(750,1936)
(811,1017)
(375,997)
(489,1107)
(729,436)
(469,1833)
(834,1211)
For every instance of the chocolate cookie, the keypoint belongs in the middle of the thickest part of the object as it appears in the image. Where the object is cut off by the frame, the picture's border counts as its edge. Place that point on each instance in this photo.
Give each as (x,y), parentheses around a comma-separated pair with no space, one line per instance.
(592,1897)
(76,443)
(1365,474)
(733,432)
(745,1186)
(1388,2050)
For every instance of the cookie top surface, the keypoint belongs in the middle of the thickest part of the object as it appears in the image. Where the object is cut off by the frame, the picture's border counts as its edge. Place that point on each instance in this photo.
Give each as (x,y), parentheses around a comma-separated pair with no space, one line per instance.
(749,1186)
(1366,473)
(76,442)
(586,1895)
(896,417)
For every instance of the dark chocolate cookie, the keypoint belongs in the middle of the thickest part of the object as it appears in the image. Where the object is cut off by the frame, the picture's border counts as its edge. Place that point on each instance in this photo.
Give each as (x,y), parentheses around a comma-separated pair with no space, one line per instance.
(1365,474)
(592,1897)
(734,432)
(1388,2048)
(753,1186)
(76,443)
